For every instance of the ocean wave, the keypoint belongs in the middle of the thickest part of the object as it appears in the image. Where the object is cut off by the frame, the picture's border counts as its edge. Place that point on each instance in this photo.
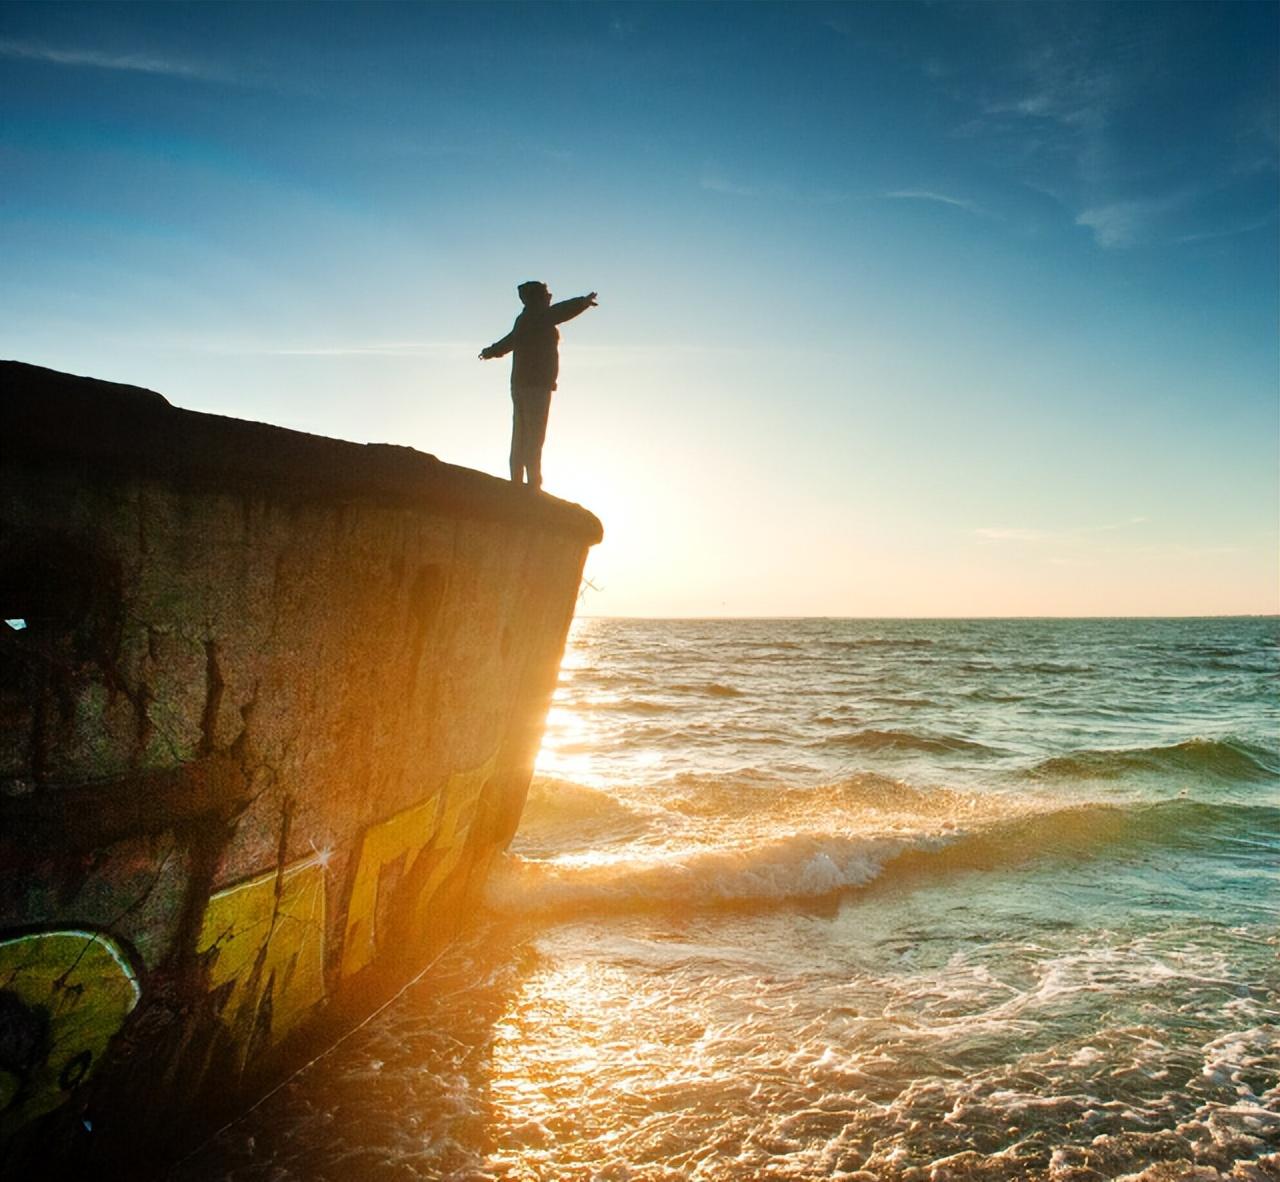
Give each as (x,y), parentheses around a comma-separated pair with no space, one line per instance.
(765,802)
(890,740)
(563,802)
(1093,830)
(816,862)
(560,812)
(620,706)
(1225,650)
(1222,759)
(555,808)
(1242,660)
(1053,667)
(713,689)
(790,867)
(879,642)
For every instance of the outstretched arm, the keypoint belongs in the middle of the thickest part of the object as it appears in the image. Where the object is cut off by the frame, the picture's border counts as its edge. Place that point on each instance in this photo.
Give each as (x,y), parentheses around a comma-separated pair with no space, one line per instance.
(568,309)
(501,348)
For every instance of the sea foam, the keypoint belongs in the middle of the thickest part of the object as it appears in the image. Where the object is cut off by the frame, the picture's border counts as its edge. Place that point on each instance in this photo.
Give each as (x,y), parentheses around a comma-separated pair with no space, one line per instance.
(715,842)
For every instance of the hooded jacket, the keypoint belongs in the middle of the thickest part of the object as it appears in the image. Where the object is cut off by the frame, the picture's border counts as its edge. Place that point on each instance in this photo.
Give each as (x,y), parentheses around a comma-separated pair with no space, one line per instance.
(535,341)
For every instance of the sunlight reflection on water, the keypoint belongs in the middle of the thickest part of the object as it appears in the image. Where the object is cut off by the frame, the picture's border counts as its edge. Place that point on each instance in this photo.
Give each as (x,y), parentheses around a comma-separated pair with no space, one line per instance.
(797,898)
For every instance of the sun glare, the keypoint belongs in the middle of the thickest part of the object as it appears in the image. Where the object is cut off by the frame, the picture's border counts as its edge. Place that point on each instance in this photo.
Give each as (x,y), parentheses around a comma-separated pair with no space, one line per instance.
(567,738)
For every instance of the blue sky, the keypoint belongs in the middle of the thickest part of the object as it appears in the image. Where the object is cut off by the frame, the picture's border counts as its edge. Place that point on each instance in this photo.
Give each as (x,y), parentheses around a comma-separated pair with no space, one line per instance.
(904,309)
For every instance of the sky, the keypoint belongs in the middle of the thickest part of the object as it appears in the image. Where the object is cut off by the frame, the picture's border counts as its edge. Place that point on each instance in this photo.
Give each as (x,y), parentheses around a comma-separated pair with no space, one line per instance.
(904,309)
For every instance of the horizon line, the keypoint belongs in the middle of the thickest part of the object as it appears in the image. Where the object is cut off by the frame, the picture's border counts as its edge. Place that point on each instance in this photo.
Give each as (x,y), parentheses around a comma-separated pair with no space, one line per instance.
(1153,616)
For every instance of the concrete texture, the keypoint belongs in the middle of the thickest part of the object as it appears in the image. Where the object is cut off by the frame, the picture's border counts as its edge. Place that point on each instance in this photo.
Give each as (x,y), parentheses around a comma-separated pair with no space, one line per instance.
(269,706)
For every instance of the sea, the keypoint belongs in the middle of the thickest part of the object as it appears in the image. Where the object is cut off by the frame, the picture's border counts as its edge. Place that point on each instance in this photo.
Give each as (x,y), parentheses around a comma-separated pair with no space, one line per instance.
(917,900)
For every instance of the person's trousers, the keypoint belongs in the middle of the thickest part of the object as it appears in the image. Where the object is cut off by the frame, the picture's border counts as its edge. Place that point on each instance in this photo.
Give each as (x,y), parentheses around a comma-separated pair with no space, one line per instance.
(530,406)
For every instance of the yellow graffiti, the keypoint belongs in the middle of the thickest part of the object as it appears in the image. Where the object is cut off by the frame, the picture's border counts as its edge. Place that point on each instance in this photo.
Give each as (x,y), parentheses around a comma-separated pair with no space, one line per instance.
(435,830)
(266,938)
(63,996)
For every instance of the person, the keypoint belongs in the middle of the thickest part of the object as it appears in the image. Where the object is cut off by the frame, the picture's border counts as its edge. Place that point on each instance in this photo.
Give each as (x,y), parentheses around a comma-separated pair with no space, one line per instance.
(535,342)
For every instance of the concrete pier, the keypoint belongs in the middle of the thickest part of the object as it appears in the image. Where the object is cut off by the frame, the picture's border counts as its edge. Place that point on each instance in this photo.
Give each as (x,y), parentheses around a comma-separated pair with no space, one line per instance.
(269,706)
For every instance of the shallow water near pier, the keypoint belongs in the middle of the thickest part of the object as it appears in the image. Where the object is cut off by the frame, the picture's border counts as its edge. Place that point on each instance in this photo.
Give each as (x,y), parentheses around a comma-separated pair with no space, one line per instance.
(808,898)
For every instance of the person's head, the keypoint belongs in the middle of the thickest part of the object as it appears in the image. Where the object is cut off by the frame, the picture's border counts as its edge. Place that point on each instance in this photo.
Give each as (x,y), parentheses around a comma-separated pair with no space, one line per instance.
(534,294)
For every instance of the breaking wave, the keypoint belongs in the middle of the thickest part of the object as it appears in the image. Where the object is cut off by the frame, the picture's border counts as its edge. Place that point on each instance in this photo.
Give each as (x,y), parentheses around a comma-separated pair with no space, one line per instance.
(791,867)
(892,740)
(1223,759)
(821,841)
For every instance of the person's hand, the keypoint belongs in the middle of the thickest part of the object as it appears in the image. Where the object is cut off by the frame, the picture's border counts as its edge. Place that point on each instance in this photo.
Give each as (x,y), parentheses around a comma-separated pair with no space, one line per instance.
(591,300)
(485,355)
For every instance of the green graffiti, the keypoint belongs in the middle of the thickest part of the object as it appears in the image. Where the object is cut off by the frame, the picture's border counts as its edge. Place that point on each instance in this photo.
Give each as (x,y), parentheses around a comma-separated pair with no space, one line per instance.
(63,996)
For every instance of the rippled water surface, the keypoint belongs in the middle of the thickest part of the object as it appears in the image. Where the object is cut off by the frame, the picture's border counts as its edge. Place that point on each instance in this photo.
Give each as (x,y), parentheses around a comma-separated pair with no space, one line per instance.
(851,899)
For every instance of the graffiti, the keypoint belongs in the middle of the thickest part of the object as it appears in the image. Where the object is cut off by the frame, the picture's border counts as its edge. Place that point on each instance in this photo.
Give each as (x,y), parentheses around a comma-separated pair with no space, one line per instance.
(265,940)
(63,996)
(428,840)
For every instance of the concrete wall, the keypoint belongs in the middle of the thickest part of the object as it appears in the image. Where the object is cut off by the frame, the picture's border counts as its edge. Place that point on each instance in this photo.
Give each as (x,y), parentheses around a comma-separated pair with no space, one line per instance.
(274,706)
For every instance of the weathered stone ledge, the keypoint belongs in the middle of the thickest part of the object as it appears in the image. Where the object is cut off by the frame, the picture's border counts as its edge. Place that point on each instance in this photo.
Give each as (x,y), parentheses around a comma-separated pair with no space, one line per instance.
(111,428)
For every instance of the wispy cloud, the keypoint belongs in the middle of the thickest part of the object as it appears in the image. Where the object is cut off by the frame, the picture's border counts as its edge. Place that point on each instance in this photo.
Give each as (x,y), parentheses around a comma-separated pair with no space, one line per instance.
(942,198)
(1076,70)
(1008,533)
(1053,111)
(1093,545)
(142,63)
(1074,546)
(1123,224)
(1111,114)
(1226,231)
(1125,524)
(376,349)
(715,180)
(1185,550)
(1004,533)
(592,356)
(1067,93)
(1074,562)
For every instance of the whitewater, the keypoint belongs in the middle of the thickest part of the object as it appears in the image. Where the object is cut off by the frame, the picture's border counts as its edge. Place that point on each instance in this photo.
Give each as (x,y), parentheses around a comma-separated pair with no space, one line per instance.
(853,899)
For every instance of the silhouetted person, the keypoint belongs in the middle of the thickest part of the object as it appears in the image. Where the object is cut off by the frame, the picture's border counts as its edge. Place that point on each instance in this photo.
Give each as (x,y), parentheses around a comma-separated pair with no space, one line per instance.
(535,341)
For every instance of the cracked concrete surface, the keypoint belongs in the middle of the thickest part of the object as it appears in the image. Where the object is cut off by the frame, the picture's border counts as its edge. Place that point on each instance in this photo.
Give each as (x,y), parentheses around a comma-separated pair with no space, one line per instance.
(245,649)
